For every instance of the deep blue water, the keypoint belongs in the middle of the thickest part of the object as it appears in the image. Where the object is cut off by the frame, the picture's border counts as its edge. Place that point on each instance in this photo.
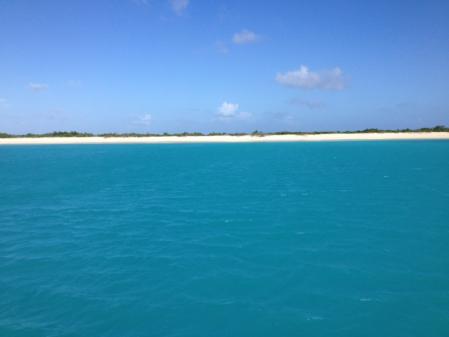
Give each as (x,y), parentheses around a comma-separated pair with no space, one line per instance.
(278,239)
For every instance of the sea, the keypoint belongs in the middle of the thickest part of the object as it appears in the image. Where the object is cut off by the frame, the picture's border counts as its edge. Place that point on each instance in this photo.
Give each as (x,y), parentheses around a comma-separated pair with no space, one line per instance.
(299,239)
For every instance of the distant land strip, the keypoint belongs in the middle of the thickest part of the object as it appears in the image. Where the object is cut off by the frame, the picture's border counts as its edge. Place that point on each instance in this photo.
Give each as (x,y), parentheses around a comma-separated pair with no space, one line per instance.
(73,137)
(60,134)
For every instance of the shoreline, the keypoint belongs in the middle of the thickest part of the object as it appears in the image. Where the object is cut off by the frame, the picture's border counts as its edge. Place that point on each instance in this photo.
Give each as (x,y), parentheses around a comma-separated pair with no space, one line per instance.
(226,138)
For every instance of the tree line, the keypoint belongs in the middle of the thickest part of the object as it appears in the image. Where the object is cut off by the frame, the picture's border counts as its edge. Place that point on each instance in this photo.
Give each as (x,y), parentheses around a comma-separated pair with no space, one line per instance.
(438,128)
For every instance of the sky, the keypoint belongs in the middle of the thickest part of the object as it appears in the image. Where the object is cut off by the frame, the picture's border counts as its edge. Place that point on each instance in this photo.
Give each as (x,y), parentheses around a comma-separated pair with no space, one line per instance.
(154,66)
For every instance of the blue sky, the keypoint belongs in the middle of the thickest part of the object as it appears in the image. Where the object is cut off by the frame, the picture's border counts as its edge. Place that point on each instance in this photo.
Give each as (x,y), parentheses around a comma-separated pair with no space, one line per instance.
(204,65)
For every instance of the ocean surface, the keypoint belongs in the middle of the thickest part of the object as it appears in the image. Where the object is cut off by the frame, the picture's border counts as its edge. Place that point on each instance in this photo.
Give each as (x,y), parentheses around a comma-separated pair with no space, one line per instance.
(324,239)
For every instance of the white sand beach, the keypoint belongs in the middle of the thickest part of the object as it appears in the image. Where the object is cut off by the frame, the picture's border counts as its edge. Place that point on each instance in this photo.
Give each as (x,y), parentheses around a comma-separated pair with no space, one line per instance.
(227,138)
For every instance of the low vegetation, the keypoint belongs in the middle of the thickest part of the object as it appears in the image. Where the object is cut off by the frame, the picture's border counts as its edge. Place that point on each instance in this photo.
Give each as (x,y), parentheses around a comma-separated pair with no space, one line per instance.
(256,133)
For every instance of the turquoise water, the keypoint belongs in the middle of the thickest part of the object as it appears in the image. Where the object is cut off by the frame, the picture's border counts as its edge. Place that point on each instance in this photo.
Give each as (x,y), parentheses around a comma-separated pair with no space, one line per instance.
(290,239)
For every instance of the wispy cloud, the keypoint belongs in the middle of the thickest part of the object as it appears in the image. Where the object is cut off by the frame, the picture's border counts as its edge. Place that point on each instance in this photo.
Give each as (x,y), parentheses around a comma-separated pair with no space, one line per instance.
(144,120)
(304,78)
(284,116)
(3,103)
(37,87)
(221,47)
(240,38)
(141,2)
(179,6)
(312,105)
(227,111)
(74,83)
(245,37)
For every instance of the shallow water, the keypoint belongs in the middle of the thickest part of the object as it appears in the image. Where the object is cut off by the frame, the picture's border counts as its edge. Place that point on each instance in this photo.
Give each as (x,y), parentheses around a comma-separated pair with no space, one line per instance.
(273,239)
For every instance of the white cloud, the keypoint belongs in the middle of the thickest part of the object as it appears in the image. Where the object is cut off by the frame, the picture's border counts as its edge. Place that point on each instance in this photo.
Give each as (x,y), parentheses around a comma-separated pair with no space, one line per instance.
(306,79)
(179,6)
(245,37)
(144,120)
(229,110)
(37,87)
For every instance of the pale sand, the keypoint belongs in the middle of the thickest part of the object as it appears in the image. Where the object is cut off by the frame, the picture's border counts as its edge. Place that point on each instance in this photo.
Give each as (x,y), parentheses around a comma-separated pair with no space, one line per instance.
(227,139)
